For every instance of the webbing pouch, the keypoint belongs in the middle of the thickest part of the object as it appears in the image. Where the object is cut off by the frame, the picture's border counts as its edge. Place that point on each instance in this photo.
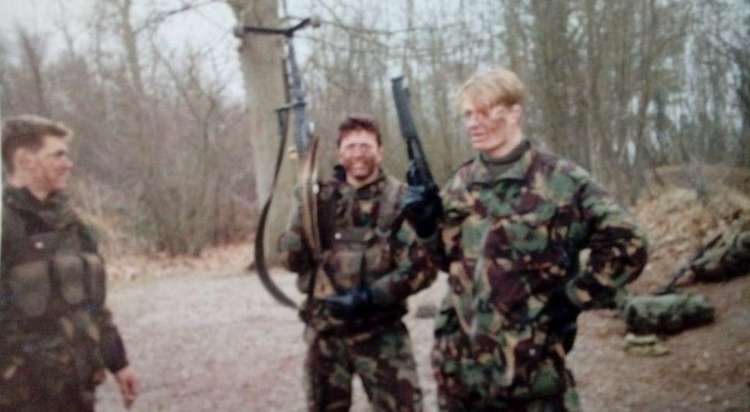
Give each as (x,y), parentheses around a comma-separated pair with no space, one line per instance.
(70,274)
(96,278)
(30,287)
(348,272)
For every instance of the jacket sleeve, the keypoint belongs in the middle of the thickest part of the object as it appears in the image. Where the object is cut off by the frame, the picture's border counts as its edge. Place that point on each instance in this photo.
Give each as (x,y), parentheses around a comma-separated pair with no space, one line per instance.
(614,250)
(111,345)
(456,209)
(415,267)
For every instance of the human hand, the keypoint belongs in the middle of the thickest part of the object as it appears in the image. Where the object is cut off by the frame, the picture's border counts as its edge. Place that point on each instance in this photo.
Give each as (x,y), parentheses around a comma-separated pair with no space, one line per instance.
(352,304)
(421,205)
(129,385)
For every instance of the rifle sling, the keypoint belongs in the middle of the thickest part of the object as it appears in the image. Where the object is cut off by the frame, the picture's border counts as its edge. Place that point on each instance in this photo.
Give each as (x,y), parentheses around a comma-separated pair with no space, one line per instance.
(260,256)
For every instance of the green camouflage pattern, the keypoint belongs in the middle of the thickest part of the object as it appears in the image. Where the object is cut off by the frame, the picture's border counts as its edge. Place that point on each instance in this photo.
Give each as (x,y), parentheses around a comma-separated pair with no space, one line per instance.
(381,357)
(371,245)
(541,229)
(670,313)
(54,361)
(394,263)
(727,255)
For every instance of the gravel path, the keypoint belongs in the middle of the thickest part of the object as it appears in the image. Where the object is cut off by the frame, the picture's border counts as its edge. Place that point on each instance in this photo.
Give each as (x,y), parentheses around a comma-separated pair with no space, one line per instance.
(219,343)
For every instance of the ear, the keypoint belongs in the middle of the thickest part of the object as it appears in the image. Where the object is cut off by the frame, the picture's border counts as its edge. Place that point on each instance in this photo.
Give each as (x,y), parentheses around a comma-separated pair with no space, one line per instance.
(22,159)
(517,112)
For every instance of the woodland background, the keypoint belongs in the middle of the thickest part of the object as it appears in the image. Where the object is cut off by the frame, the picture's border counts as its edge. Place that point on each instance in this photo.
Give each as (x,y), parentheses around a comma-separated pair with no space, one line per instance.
(174,152)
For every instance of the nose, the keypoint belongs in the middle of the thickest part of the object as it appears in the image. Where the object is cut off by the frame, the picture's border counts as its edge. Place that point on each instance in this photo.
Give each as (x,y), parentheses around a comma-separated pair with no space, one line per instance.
(471,121)
(67,163)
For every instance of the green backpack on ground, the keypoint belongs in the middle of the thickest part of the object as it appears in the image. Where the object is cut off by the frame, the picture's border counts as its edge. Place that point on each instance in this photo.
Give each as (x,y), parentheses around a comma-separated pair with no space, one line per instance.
(666,314)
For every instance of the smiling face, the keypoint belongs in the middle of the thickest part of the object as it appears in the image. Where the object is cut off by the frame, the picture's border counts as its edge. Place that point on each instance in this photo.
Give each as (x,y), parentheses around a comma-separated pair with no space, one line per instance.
(361,155)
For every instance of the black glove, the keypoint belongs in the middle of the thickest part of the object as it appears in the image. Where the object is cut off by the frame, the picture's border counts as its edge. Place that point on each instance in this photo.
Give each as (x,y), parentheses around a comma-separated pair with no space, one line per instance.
(421,204)
(563,315)
(352,304)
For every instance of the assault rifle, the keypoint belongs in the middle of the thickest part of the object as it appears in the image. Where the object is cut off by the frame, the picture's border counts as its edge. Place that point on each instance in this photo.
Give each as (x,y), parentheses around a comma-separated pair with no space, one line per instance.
(671,287)
(419,170)
(306,147)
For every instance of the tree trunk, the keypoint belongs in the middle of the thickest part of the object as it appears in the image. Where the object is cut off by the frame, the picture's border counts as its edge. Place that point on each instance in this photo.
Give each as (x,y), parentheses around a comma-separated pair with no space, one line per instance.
(260,57)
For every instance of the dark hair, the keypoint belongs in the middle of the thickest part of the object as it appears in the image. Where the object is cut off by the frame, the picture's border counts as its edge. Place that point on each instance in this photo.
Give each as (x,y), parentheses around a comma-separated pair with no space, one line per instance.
(358,121)
(28,131)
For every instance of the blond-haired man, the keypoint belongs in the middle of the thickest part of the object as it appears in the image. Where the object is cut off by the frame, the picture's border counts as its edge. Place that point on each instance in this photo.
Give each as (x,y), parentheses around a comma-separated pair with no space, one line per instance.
(529,241)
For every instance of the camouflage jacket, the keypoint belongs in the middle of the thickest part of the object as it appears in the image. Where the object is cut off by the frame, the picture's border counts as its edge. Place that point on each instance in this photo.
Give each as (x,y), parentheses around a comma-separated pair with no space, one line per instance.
(369,244)
(726,255)
(43,333)
(515,242)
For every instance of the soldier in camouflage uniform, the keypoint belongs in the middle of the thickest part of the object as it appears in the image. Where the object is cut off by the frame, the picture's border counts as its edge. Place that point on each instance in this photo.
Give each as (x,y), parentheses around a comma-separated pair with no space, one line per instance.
(725,256)
(371,262)
(57,335)
(529,240)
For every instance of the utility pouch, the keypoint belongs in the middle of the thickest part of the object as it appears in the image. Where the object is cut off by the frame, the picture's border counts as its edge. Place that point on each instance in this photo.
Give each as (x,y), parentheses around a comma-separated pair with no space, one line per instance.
(348,272)
(378,258)
(68,269)
(347,258)
(96,278)
(30,288)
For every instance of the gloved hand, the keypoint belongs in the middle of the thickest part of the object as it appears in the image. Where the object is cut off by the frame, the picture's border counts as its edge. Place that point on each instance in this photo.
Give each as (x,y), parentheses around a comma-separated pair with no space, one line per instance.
(352,304)
(421,204)
(563,315)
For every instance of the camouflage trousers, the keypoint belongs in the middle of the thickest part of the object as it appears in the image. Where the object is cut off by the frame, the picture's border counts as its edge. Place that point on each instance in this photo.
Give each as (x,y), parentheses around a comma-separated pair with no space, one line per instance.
(466,385)
(383,360)
(70,399)
(44,374)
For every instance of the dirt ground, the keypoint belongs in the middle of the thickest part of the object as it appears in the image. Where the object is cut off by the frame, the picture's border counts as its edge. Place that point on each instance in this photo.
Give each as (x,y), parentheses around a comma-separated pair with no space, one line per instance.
(209,338)
(217,342)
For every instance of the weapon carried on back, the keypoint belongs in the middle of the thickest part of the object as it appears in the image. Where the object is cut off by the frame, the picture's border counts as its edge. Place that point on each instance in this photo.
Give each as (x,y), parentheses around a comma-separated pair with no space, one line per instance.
(675,277)
(422,206)
(306,145)
(725,255)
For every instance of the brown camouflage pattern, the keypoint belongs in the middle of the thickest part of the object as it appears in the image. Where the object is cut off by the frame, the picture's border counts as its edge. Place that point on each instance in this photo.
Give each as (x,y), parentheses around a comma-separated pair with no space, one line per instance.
(381,357)
(51,362)
(542,227)
(394,263)
(727,255)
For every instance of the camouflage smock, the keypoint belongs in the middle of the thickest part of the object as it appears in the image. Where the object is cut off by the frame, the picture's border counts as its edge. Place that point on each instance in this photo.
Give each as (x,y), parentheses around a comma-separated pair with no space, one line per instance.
(726,255)
(511,243)
(48,346)
(370,244)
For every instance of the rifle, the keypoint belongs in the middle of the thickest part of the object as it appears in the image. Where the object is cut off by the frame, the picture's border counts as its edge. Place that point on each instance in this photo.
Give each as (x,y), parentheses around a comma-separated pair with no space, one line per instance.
(419,170)
(306,146)
(671,287)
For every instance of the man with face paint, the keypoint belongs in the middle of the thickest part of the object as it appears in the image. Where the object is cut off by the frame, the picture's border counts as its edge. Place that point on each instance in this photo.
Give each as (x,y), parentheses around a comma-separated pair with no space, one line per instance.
(371,262)
(57,338)
(529,240)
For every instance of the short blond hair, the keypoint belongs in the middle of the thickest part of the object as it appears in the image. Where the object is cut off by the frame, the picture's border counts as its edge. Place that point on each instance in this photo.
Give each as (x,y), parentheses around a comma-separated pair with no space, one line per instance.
(27,131)
(496,86)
